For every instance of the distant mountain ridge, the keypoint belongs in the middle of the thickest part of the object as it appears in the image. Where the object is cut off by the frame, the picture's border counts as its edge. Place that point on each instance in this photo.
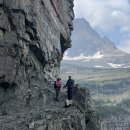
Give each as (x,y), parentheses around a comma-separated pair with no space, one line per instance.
(92,50)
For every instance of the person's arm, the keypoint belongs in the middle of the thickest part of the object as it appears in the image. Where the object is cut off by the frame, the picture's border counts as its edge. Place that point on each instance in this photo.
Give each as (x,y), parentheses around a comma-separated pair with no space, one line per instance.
(72,83)
(66,85)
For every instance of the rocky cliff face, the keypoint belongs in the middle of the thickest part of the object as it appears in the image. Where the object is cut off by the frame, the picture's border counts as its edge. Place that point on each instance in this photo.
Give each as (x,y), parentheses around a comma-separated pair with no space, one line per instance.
(33,37)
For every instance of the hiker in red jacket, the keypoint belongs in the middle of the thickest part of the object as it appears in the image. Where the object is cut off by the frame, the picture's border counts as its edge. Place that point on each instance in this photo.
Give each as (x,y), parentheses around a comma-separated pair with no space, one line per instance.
(57,86)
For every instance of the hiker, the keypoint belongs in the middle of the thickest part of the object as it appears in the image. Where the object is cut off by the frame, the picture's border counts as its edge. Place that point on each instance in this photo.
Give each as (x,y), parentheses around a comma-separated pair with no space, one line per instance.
(57,86)
(69,85)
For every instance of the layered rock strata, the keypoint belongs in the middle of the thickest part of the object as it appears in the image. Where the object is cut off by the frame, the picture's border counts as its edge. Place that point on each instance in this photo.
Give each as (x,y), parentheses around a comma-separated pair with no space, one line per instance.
(33,37)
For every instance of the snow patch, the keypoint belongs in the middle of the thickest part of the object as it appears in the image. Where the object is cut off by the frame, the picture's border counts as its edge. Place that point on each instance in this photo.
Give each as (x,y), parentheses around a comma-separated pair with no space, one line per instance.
(98,66)
(115,65)
(127,67)
(97,55)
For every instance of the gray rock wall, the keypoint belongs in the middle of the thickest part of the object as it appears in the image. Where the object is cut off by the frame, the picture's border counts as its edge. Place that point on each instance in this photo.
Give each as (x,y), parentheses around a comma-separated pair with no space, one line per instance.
(33,36)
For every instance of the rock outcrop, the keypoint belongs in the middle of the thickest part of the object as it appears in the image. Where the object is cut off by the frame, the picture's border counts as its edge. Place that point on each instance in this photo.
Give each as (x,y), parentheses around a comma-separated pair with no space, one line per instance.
(83,101)
(33,37)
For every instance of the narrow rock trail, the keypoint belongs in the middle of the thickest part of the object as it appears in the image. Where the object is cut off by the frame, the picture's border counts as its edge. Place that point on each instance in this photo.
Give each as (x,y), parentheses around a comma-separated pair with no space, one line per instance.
(54,116)
(52,112)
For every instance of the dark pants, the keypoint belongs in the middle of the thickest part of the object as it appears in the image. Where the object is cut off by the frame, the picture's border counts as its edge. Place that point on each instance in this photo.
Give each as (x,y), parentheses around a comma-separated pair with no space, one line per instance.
(57,94)
(69,93)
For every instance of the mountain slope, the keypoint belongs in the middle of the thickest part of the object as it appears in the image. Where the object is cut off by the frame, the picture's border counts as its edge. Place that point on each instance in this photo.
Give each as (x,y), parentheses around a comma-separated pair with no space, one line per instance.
(94,50)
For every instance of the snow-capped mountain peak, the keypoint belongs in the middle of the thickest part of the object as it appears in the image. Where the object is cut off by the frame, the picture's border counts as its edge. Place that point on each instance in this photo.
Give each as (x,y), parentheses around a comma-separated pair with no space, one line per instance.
(93,50)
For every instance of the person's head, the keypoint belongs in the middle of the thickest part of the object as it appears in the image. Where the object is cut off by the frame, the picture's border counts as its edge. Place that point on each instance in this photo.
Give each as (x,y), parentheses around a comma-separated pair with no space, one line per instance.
(69,77)
(58,79)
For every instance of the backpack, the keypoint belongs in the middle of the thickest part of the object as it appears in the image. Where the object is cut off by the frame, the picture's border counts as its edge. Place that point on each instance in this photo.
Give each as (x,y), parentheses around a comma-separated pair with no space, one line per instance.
(57,84)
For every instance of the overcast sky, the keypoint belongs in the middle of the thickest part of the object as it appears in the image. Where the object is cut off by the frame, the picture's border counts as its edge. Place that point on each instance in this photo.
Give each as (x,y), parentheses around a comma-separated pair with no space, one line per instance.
(109,17)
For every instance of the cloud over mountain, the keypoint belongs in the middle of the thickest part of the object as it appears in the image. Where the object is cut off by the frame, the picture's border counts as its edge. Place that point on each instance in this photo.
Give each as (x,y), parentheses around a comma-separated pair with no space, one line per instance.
(109,18)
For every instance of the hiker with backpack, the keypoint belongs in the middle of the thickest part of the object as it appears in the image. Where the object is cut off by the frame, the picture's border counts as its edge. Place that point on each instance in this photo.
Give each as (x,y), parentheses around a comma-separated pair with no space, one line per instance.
(57,86)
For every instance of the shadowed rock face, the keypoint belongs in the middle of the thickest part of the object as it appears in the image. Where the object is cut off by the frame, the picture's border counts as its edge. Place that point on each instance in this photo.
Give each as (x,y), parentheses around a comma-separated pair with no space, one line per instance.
(33,37)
